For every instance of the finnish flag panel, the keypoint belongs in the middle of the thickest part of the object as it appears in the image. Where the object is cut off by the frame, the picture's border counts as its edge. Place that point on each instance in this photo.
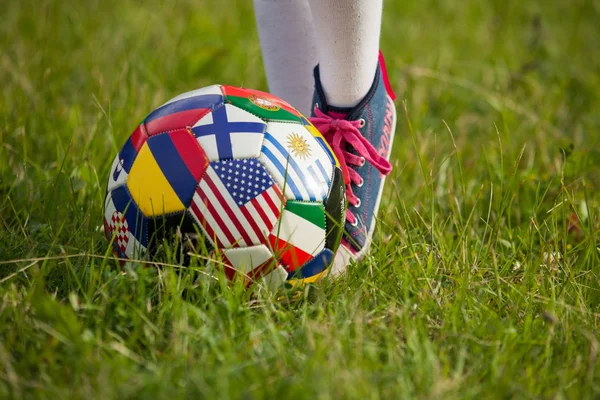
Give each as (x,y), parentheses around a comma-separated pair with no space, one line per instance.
(296,160)
(229,132)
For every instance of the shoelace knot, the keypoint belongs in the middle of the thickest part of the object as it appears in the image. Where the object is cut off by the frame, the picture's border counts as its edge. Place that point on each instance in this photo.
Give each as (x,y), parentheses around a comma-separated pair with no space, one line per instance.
(342,134)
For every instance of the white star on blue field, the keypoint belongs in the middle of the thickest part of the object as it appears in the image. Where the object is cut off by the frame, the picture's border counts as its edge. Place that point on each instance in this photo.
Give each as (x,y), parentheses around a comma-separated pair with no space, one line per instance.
(244,179)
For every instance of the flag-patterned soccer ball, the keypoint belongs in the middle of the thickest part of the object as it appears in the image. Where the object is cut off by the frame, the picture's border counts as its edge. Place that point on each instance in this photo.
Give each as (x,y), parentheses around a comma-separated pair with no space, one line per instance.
(240,167)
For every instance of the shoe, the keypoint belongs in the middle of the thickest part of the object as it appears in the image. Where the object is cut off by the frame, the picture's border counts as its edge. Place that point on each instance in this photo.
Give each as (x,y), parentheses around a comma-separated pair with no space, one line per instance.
(361,138)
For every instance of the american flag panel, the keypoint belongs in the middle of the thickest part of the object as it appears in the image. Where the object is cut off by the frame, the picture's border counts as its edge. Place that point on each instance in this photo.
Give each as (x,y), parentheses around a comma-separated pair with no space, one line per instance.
(237,203)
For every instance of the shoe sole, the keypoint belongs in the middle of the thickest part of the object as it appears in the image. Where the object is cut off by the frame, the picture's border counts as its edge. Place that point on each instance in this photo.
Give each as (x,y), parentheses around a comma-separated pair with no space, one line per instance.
(345,255)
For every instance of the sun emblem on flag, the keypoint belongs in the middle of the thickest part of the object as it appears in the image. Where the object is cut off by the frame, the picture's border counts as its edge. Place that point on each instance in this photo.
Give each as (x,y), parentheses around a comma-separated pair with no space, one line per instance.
(298,146)
(263,103)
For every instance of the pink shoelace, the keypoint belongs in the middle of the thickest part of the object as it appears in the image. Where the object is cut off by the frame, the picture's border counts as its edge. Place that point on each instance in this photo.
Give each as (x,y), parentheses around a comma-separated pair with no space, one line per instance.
(339,133)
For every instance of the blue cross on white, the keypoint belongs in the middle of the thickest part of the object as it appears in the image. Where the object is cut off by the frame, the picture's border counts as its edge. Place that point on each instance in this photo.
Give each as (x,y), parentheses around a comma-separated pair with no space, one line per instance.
(229,132)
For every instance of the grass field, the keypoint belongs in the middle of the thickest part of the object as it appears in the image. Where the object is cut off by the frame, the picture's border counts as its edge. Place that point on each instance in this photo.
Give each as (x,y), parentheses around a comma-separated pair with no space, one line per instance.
(484,279)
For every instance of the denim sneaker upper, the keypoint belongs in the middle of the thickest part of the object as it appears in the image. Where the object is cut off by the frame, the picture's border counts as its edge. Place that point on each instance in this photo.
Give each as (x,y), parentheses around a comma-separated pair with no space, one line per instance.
(361,138)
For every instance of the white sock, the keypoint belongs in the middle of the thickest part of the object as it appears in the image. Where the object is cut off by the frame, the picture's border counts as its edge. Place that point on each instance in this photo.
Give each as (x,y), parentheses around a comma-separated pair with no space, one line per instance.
(288,44)
(348,47)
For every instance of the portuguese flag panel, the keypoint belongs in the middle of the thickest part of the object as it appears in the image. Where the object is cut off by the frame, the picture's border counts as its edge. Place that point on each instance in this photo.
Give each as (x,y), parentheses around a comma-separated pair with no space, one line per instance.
(300,235)
(262,104)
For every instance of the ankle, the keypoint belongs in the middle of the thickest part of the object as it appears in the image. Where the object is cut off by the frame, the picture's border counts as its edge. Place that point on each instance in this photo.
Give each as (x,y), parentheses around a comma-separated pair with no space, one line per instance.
(344,96)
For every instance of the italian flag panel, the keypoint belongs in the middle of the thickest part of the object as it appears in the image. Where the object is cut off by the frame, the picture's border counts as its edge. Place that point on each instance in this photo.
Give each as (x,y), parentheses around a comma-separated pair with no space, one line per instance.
(300,233)
(261,104)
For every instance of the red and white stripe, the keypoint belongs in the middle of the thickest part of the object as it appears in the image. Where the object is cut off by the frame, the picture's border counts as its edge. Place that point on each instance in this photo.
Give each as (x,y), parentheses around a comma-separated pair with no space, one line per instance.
(229,225)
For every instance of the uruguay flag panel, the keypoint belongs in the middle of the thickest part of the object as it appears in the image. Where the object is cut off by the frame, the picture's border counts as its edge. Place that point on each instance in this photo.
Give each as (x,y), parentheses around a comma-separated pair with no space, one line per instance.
(229,132)
(237,203)
(296,162)
(317,135)
(184,110)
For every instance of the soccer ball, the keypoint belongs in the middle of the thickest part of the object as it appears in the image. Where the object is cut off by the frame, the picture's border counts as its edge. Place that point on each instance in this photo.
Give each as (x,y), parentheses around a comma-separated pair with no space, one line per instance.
(239,168)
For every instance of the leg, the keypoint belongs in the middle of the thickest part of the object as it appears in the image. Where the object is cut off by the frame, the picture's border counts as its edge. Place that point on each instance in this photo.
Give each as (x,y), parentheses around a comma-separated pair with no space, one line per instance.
(288,45)
(348,45)
(354,109)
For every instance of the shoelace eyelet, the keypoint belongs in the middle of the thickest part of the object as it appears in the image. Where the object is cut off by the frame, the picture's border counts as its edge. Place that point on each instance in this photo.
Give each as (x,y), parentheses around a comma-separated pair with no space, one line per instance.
(361,183)
(357,204)
(344,136)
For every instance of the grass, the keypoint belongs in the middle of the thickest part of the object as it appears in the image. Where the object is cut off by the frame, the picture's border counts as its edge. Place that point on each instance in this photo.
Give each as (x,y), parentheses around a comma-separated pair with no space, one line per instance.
(484,280)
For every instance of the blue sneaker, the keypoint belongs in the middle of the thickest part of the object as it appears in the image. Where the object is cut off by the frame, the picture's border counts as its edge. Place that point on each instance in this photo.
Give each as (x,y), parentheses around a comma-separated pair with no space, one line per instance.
(361,138)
